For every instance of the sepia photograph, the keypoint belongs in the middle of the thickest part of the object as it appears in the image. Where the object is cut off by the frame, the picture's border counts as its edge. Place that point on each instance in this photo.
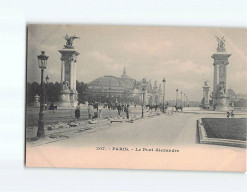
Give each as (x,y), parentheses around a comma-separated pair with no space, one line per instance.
(136,97)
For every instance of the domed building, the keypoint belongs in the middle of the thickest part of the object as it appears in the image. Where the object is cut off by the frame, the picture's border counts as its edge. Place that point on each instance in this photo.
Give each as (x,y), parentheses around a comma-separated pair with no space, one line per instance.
(123,89)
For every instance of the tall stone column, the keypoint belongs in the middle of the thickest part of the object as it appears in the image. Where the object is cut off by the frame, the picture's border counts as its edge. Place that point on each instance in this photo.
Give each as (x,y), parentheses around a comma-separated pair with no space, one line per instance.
(220,77)
(69,95)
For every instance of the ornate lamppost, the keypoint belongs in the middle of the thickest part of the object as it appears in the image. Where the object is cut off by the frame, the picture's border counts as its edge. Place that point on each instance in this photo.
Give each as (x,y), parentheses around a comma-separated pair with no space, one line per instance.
(42,60)
(164,91)
(176,97)
(109,95)
(181,99)
(143,93)
(46,90)
(184,99)
(144,85)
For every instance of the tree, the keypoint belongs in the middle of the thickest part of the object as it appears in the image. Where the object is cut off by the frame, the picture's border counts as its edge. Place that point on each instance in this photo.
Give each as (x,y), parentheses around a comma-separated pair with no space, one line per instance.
(53,90)
(240,103)
(82,90)
(31,90)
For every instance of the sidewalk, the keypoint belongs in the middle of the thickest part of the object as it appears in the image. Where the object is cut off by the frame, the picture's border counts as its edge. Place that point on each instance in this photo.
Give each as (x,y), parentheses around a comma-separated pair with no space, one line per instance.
(61,131)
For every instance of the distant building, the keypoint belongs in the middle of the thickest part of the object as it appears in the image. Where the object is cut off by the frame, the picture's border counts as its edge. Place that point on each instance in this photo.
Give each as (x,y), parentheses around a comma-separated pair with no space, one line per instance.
(123,89)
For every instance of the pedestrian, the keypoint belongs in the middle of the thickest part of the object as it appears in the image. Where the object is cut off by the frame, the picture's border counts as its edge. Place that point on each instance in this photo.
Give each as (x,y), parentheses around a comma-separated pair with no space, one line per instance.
(227,114)
(100,107)
(122,110)
(89,108)
(119,109)
(77,113)
(232,114)
(127,111)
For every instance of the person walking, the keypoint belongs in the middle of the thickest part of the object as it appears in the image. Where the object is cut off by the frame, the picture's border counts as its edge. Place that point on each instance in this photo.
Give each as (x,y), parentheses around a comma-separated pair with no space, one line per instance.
(100,108)
(127,111)
(119,109)
(89,108)
(77,113)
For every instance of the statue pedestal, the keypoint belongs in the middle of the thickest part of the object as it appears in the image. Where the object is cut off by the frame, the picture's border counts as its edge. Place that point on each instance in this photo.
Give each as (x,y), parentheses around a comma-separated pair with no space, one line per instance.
(221,103)
(36,102)
(68,99)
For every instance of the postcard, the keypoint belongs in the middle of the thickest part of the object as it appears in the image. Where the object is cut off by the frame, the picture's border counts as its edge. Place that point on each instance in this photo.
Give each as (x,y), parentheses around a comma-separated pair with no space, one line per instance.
(136,97)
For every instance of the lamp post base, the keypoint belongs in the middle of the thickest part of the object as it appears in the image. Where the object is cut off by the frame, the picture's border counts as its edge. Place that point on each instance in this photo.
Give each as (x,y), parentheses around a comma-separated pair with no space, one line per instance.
(41,132)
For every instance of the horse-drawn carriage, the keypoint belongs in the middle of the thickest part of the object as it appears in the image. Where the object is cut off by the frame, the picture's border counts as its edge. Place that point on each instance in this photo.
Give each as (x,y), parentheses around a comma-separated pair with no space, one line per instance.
(179,108)
(52,107)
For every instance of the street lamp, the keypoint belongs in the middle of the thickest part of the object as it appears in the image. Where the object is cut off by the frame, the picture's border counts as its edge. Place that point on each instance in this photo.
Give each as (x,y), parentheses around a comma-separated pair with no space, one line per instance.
(46,89)
(109,94)
(144,84)
(181,99)
(42,60)
(164,89)
(184,99)
(176,97)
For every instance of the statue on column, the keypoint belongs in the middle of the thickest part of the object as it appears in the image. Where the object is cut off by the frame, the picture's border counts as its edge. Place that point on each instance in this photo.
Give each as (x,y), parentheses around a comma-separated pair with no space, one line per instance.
(206,83)
(69,40)
(221,44)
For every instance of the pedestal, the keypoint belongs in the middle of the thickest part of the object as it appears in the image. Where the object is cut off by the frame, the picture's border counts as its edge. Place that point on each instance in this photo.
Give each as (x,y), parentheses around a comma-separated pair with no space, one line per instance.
(221,104)
(36,102)
(68,99)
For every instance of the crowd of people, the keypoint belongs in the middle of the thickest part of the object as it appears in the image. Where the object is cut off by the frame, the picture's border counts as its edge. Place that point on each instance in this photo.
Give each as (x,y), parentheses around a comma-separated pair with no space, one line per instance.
(123,110)
(95,110)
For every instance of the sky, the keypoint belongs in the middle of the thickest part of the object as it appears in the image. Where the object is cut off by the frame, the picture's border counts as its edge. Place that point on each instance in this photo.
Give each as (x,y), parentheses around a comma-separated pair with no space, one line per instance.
(181,55)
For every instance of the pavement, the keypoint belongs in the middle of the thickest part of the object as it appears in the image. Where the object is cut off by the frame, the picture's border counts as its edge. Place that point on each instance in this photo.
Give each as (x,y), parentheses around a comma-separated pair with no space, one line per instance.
(175,131)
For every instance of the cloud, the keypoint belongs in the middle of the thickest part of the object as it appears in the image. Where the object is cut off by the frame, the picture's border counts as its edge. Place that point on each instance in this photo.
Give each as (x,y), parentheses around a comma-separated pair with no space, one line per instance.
(148,47)
(188,66)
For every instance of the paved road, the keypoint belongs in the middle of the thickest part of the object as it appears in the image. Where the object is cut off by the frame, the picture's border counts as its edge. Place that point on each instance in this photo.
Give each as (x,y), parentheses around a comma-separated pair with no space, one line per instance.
(157,131)
(176,131)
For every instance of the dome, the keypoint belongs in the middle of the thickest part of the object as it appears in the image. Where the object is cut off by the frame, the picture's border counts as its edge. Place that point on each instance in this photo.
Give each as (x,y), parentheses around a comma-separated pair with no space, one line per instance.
(112,82)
